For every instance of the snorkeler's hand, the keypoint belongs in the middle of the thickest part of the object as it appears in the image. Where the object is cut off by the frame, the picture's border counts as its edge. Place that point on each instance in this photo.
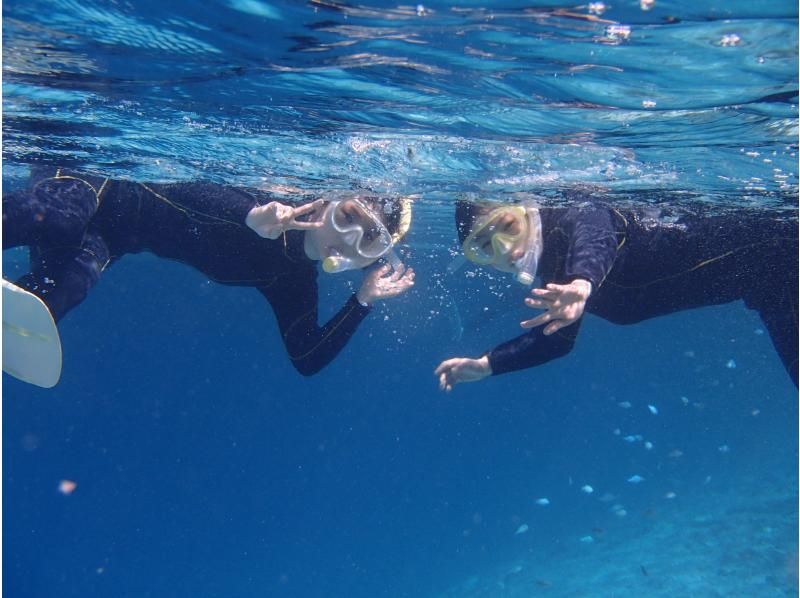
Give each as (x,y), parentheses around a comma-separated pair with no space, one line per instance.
(563,304)
(274,219)
(462,369)
(383,283)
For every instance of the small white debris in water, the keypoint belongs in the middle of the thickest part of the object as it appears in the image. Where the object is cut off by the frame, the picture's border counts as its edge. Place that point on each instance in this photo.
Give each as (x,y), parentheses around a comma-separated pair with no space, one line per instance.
(67,487)
(624,404)
(724,448)
(421,11)
(521,529)
(542,502)
(752,154)
(688,353)
(636,479)
(648,445)
(707,480)
(646,4)
(653,409)
(617,432)
(618,32)
(685,400)
(648,103)
(630,439)
(731,364)
(730,40)
(587,539)
(596,8)
(755,412)
(758,331)
(670,495)
(587,489)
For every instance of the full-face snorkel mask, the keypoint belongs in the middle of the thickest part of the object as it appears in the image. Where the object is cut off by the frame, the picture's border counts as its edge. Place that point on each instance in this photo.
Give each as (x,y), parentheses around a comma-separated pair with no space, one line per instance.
(491,242)
(352,237)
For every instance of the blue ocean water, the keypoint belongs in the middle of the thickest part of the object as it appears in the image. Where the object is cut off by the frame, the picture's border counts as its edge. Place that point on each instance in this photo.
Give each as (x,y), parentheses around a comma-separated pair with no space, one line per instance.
(207,467)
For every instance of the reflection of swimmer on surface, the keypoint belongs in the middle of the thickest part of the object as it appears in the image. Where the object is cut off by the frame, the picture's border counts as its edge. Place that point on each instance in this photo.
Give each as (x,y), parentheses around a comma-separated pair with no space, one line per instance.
(76,225)
(625,267)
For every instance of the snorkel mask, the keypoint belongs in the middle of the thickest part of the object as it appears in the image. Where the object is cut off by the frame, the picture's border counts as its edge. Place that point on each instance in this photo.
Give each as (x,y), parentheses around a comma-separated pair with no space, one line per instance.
(352,237)
(495,237)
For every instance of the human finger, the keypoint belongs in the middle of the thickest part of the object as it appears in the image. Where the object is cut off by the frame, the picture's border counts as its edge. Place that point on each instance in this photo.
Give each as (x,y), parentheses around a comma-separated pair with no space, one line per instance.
(397,273)
(281,211)
(546,293)
(446,365)
(443,383)
(302,225)
(542,303)
(537,321)
(407,277)
(405,283)
(555,327)
(382,270)
(309,207)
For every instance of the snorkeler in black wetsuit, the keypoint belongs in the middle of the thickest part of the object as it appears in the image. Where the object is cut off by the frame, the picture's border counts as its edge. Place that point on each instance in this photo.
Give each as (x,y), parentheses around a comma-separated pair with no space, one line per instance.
(76,225)
(628,266)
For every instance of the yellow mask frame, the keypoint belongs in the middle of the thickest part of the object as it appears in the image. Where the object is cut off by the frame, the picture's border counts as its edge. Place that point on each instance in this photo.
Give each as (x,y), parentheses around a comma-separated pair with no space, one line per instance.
(486,245)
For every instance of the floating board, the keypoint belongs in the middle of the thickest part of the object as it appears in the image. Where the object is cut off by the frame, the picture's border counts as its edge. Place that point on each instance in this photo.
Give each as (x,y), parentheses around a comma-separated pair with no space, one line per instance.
(31,345)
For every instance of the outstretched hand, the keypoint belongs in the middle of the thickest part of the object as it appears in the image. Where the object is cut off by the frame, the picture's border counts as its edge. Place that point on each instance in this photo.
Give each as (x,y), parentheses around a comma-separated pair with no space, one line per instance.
(462,369)
(274,219)
(384,283)
(563,305)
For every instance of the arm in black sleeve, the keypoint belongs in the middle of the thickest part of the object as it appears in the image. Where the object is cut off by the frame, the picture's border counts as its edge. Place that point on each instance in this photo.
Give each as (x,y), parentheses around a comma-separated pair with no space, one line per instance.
(311,347)
(592,245)
(532,349)
(591,248)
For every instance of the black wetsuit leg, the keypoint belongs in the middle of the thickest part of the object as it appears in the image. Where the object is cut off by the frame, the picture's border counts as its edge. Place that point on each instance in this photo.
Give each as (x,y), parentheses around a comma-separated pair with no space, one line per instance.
(54,213)
(67,256)
(774,296)
(62,278)
(751,259)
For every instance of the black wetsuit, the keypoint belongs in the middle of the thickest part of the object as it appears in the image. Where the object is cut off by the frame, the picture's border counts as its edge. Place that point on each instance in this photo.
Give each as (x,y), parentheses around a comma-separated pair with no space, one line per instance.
(77,225)
(642,267)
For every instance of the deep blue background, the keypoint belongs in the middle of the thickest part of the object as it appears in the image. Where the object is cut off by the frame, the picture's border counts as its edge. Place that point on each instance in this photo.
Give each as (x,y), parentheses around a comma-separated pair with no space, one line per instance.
(207,467)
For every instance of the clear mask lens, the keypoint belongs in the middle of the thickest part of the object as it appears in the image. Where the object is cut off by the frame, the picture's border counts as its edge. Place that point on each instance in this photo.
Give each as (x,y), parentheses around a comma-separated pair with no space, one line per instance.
(361,229)
(496,237)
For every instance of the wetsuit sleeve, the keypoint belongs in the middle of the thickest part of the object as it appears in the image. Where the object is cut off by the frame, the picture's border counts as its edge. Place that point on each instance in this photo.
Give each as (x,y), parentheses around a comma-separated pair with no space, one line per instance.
(311,347)
(592,245)
(532,349)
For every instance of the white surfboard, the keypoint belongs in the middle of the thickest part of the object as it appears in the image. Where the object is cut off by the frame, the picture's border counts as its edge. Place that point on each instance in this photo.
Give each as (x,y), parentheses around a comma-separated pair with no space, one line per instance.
(31,345)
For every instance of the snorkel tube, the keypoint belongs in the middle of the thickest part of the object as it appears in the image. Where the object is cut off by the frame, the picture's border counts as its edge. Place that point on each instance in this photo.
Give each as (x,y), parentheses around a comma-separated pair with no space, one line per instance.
(528,264)
(334,264)
(337,263)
